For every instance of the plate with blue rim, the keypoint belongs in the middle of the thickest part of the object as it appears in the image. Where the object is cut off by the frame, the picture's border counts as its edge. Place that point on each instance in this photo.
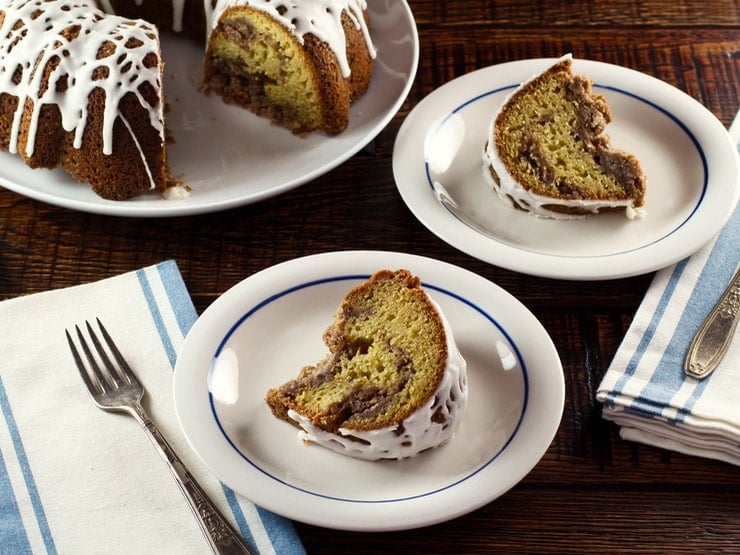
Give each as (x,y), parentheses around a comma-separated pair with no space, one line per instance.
(262,331)
(692,169)
(229,157)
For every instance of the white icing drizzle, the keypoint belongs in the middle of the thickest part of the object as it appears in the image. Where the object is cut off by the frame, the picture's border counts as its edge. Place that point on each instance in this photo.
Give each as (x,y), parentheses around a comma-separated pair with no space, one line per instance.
(152,183)
(513,193)
(178,6)
(322,18)
(176,192)
(419,432)
(33,40)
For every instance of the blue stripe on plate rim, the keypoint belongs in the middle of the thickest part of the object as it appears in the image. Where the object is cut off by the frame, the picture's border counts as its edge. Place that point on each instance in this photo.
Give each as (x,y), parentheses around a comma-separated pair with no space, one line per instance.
(363,277)
(650,103)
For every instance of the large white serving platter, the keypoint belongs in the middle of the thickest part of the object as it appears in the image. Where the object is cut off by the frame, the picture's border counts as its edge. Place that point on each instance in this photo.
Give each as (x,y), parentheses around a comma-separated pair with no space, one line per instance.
(230,157)
(260,333)
(691,166)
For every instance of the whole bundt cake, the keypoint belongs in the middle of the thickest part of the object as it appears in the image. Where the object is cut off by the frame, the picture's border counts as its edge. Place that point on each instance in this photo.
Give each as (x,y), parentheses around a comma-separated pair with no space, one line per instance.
(81,85)
(393,384)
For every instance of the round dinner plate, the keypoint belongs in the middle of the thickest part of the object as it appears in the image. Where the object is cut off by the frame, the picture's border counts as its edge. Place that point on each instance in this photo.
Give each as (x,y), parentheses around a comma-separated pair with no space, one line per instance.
(230,157)
(261,332)
(693,180)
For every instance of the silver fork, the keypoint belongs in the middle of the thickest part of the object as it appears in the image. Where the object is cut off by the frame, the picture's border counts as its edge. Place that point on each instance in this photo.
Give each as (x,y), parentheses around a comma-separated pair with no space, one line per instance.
(114,387)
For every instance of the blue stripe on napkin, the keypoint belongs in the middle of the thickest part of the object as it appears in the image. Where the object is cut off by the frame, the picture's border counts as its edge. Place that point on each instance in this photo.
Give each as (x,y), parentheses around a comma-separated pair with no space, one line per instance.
(11,526)
(645,340)
(282,536)
(236,510)
(280,530)
(173,314)
(146,289)
(178,295)
(669,376)
(14,524)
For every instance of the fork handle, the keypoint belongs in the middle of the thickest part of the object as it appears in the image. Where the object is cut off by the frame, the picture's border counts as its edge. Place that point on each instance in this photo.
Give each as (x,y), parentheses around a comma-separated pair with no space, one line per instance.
(222,537)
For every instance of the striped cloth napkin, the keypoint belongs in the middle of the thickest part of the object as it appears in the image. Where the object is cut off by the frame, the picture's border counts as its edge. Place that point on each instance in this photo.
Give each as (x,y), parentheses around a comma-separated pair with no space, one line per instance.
(75,479)
(645,390)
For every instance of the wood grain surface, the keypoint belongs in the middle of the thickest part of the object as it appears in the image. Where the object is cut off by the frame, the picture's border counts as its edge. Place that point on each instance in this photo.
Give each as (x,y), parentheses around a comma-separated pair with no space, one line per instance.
(592,492)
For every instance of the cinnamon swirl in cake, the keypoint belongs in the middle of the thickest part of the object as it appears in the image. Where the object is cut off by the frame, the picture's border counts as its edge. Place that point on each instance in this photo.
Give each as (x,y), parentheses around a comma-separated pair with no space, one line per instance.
(81,83)
(393,384)
(547,150)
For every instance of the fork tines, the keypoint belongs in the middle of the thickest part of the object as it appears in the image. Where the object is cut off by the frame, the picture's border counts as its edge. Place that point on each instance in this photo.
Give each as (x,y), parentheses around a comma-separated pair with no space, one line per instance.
(92,373)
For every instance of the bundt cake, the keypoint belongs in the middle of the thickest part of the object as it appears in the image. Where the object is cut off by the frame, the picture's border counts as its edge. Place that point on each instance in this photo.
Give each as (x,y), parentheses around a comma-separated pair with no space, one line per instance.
(547,151)
(393,384)
(81,88)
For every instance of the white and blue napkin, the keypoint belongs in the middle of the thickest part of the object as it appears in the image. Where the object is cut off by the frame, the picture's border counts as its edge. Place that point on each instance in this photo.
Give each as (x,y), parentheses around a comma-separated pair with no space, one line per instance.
(76,479)
(645,390)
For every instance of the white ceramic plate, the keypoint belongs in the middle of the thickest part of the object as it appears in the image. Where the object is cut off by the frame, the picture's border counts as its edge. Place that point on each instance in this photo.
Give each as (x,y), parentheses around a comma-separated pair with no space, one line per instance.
(260,333)
(230,157)
(688,157)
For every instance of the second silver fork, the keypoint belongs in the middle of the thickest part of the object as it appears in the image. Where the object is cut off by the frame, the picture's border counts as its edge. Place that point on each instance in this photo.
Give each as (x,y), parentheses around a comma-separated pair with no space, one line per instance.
(114,387)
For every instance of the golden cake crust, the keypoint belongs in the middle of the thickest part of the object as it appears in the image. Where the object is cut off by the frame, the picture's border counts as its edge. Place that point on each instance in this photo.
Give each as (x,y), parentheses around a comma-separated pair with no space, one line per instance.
(246,80)
(373,376)
(558,108)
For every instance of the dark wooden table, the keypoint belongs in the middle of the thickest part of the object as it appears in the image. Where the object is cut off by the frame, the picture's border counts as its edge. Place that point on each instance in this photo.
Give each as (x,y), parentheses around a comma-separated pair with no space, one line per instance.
(592,491)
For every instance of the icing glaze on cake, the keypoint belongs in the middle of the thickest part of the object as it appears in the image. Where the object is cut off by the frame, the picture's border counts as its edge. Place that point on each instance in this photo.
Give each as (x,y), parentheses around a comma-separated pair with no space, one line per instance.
(321,18)
(57,54)
(300,64)
(514,194)
(418,432)
(60,54)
